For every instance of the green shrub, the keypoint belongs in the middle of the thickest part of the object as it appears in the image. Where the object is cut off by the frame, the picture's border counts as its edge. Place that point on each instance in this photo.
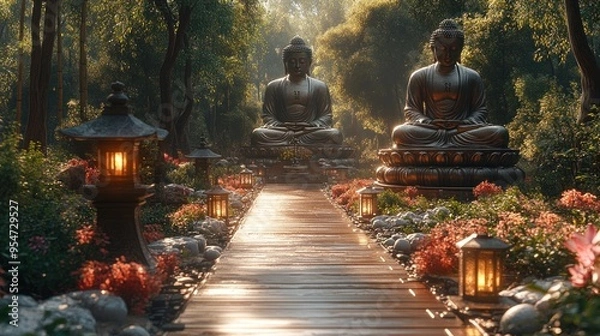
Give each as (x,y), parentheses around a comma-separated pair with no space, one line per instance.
(48,217)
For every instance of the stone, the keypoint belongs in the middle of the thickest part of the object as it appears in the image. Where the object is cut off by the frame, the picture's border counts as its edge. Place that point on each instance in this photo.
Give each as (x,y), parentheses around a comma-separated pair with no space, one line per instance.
(78,319)
(187,246)
(133,330)
(416,240)
(29,322)
(522,319)
(402,246)
(211,254)
(104,306)
(379,224)
(201,242)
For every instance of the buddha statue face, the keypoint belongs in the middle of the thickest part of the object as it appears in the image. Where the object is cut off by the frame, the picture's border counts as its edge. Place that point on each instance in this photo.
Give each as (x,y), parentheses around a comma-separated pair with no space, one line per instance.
(297,65)
(446,51)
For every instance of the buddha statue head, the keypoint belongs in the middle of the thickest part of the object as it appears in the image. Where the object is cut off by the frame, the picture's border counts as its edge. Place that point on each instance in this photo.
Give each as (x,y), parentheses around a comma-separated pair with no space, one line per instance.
(296,47)
(448,33)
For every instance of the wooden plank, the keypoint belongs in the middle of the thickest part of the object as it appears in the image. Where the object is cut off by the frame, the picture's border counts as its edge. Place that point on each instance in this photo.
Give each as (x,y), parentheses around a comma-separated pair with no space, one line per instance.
(298,266)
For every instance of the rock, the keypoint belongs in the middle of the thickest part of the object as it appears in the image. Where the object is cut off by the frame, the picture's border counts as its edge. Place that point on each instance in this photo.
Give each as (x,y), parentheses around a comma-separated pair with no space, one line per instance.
(379,224)
(79,319)
(104,306)
(416,240)
(30,319)
(389,242)
(212,226)
(522,319)
(187,246)
(176,193)
(201,242)
(211,254)
(214,247)
(402,246)
(73,177)
(133,330)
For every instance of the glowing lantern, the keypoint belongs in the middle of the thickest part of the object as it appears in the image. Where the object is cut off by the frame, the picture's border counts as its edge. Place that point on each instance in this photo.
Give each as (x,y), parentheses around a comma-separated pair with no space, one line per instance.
(118,194)
(218,203)
(367,202)
(202,156)
(481,267)
(246,178)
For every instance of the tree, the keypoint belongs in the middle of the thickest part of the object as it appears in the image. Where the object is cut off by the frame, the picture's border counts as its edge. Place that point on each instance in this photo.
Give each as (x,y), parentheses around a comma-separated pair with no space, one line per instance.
(586,61)
(41,61)
(370,57)
(177,25)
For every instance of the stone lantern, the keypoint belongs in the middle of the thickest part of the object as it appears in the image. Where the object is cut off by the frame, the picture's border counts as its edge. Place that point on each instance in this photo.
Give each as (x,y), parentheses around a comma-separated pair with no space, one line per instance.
(481,267)
(118,194)
(217,203)
(202,156)
(246,178)
(367,202)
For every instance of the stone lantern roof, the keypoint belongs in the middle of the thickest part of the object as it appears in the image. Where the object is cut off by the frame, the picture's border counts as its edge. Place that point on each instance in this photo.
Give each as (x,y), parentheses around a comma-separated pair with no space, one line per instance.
(115,123)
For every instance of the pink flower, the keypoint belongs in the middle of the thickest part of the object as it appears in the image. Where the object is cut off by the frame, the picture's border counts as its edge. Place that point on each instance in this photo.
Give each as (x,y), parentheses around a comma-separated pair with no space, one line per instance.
(586,248)
(580,275)
(573,199)
(585,245)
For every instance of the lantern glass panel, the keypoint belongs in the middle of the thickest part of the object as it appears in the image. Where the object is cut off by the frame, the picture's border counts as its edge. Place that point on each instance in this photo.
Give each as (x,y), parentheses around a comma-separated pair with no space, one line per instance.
(485,273)
(469,273)
(116,163)
(366,205)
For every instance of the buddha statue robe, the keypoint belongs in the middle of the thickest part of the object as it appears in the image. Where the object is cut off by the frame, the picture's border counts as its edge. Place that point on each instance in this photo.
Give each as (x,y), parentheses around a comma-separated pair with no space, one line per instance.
(447,110)
(296,112)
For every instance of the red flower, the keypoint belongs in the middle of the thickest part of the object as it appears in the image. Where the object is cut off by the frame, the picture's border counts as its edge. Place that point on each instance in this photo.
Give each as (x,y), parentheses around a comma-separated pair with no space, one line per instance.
(486,188)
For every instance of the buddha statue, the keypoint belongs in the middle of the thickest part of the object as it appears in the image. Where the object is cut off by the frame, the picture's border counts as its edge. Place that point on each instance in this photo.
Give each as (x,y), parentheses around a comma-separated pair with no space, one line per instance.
(446,146)
(445,101)
(297,107)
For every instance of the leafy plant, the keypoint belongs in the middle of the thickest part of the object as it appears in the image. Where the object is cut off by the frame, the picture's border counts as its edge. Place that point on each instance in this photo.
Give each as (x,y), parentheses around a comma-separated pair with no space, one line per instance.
(129,280)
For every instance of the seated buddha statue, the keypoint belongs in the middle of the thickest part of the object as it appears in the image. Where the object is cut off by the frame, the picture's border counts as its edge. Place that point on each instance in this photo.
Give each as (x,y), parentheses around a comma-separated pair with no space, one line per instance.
(297,107)
(445,101)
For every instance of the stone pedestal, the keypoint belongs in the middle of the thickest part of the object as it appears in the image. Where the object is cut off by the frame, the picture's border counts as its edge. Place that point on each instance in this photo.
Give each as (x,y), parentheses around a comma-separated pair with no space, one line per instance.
(447,171)
(309,163)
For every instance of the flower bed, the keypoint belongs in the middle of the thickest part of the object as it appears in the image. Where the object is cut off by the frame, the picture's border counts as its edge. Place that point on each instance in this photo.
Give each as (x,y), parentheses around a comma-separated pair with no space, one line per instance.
(546,237)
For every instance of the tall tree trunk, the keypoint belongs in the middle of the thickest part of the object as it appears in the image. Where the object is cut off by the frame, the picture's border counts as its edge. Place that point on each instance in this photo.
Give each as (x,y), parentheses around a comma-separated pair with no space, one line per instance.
(41,61)
(586,61)
(176,31)
(20,63)
(83,75)
(182,121)
(59,66)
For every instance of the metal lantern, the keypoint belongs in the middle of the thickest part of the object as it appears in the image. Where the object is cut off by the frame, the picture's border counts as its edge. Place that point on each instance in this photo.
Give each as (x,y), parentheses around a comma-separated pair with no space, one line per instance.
(202,156)
(218,203)
(367,202)
(118,194)
(246,178)
(481,267)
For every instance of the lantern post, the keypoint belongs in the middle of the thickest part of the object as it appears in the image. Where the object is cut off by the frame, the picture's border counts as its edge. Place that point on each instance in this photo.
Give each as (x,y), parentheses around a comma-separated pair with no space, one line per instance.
(202,156)
(118,194)
(217,203)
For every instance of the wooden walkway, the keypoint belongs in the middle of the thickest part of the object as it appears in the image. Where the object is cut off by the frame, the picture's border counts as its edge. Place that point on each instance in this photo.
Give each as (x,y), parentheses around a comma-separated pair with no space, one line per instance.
(298,266)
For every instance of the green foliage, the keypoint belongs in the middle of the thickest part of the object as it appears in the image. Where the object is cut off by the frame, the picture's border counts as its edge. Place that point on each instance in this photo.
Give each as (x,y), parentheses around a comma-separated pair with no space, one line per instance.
(48,215)
(370,58)
(391,203)
(576,313)
(560,153)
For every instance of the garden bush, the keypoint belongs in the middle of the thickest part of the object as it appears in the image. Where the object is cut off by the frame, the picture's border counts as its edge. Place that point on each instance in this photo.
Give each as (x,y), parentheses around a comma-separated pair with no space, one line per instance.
(49,216)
